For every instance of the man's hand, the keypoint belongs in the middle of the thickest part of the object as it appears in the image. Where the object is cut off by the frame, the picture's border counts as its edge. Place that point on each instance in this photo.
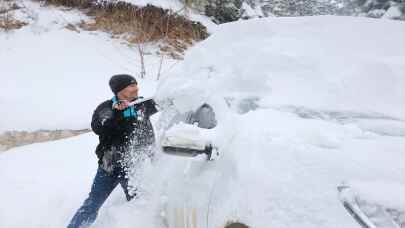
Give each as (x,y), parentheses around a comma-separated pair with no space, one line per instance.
(123,104)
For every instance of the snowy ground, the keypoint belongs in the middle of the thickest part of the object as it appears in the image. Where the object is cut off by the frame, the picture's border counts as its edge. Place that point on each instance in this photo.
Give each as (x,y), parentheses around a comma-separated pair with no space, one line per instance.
(314,101)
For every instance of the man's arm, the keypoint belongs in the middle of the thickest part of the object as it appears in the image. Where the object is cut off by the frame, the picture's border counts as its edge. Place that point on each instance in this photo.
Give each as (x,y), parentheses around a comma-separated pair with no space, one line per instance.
(105,121)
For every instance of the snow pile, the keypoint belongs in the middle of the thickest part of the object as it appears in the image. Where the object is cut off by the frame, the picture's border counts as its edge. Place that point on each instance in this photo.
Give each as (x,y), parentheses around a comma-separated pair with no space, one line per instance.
(320,63)
(393,12)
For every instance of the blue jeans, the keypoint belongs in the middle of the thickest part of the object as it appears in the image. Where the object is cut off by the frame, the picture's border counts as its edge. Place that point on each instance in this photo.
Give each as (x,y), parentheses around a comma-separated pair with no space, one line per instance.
(103,185)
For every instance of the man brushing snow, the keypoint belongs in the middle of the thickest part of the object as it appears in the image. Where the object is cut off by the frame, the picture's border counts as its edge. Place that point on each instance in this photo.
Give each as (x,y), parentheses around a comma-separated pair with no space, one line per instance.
(123,130)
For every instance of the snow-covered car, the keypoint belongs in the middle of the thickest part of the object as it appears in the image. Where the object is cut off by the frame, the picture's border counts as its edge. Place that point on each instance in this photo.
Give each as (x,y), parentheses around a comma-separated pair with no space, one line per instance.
(304,107)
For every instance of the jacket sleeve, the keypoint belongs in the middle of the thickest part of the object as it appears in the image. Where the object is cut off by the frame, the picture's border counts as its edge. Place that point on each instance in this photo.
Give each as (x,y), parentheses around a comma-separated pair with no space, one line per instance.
(105,121)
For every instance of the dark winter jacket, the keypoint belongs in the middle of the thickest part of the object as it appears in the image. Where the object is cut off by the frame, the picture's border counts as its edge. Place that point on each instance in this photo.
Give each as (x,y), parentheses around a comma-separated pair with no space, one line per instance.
(119,133)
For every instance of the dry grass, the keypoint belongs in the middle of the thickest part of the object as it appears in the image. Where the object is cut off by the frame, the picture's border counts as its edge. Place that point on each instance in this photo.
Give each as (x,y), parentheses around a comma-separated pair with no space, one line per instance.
(7,20)
(139,24)
(10,139)
(9,23)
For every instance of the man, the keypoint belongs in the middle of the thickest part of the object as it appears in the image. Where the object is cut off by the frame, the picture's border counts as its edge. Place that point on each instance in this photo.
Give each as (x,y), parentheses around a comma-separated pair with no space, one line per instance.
(123,130)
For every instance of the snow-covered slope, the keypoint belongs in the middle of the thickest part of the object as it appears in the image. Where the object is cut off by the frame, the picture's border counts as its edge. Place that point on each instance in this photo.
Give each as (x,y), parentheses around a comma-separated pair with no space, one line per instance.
(53,78)
(313,102)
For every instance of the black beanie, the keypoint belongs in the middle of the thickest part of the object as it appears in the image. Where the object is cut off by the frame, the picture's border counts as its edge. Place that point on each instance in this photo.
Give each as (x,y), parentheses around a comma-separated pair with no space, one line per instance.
(120,81)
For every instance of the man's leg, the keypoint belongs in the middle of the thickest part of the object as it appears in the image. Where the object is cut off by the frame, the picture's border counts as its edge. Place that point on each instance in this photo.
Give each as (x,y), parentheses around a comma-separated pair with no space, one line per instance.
(128,190)
(103,185)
